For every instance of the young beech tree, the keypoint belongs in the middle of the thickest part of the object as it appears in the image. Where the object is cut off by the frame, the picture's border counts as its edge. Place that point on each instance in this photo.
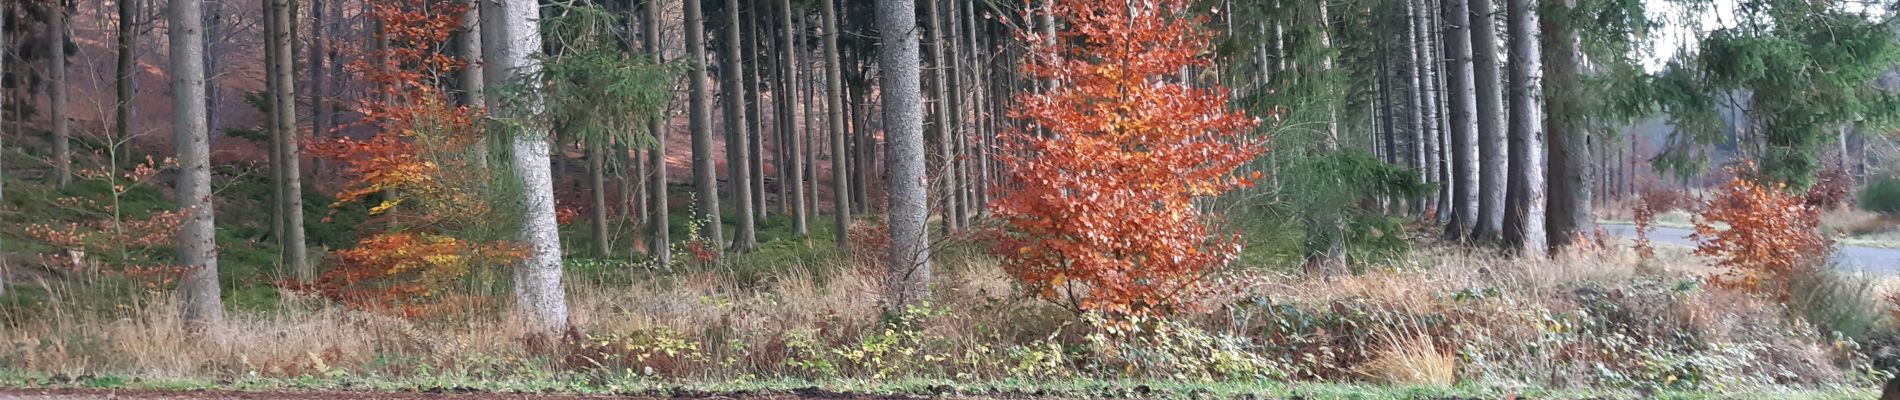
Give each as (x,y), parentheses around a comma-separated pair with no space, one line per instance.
(1102,213)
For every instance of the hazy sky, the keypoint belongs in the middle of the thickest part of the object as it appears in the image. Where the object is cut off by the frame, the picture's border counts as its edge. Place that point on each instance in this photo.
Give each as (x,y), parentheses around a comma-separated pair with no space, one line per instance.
(1681,26)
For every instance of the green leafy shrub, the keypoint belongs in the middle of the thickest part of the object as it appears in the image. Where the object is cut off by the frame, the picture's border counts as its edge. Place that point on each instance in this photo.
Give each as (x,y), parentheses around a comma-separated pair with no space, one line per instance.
(1882,196)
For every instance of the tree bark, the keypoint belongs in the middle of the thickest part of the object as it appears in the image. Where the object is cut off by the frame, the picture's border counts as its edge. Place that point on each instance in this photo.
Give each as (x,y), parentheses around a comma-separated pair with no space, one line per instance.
(597,186)
(955,181)
(197,251)
(1493,160)
(834,111)
(122,83)
(744,239)
(1524,223)
(658,222)
(789,112)
(1464,118)
(1568,216)
(474,89)
(57,26)
(1427,98)
(320,117)
(289,178)
(699,113)
(512,38)
(753,139)
(902,96)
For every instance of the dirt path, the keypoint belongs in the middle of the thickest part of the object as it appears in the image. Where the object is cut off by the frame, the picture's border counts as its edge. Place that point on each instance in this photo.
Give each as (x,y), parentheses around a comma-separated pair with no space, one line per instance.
(1871,260)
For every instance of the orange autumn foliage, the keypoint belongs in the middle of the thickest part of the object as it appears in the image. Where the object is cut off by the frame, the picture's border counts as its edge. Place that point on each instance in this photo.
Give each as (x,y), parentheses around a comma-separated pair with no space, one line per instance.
(1099,212)
(415,170)
(1764,236)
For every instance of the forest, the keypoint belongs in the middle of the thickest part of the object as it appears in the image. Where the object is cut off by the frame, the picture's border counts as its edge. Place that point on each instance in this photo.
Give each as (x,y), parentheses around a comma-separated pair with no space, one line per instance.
(795,199)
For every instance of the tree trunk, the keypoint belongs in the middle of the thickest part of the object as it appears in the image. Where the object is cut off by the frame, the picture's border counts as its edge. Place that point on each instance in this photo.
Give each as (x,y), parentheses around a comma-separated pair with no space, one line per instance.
(902,96)
(122,83)
(936,117)
(320,117)
(834,118)
(699,113)
(512,39)
(789,112)
(659,221)
(272,125)
(954,182)
(752,139)
(1423,58)
(1568,216)
(1416,113)
(1493,160)
(197,251)
(56,26)
(597,186)
(474,89)
(213,22)
(809,174)
(1524,222)
(744,238)
(1464,118)
(289,178)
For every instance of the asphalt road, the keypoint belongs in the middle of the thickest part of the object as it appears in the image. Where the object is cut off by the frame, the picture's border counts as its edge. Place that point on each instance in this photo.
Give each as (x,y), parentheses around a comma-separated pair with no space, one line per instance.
(1872,260)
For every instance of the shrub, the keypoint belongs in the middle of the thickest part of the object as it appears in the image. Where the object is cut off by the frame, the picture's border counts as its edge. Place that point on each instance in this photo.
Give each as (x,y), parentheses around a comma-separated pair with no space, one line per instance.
(1103,215)
(1882,196)
(1772,238)
(1661,199)
(1830,189)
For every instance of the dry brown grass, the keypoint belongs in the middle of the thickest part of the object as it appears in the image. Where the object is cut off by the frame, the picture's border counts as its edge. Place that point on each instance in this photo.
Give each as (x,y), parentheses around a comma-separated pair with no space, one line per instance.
(1445,317)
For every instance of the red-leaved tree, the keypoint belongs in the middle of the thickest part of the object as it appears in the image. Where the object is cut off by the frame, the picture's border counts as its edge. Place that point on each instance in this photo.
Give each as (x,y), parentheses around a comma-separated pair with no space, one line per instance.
(1099,212)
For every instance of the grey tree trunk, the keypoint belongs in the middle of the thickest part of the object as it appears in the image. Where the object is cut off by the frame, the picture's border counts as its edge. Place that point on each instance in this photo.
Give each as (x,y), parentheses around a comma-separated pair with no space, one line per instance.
(955,180)
(744,238)
(213,22)
(56,74)
(938,116)
(197,251)
(812,147)
(1423,58)
(1464,118)
(1524,222)
(656,156)
(284,106)
(3,148)
(597,186)
(512,37)
(699,106)
(834,110)
(1415,115)
(320,121)
(1493,161)
(1568,215)
(122,83)
(269,24)
(752,138)
(789,112)
(474,88)
(902,96)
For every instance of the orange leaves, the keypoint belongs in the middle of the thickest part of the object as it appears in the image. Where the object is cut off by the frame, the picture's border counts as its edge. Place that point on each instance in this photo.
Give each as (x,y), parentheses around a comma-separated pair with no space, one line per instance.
(404,266)
(1764,236)
(417,167)
(1101,211)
